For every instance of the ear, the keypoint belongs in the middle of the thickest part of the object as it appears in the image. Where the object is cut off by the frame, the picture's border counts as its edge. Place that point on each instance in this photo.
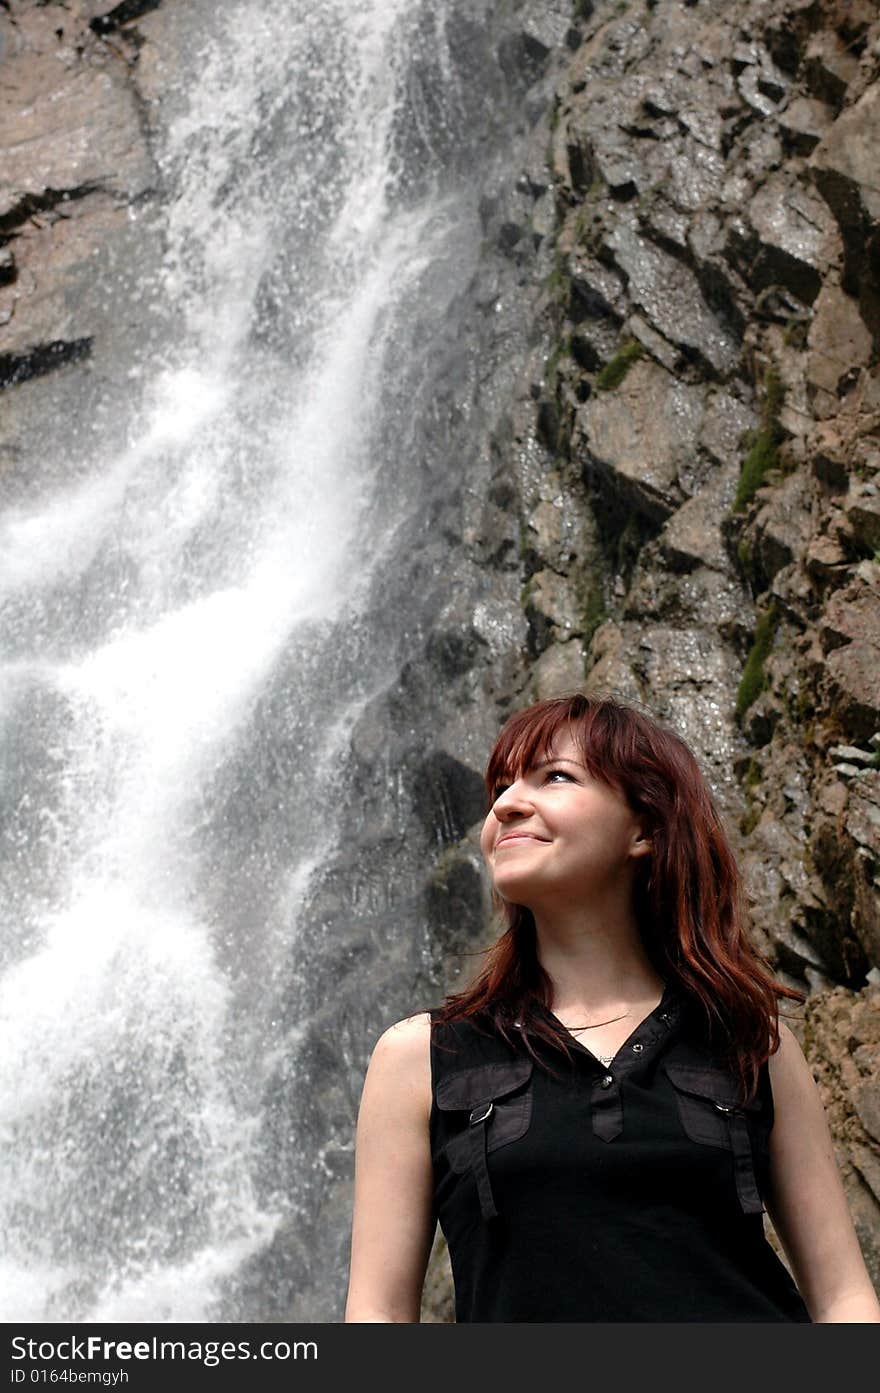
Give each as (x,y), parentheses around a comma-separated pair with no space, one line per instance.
(641,845)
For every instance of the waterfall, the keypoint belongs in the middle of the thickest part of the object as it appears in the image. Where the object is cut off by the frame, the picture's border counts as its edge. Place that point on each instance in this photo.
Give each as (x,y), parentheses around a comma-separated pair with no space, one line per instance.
(187,642)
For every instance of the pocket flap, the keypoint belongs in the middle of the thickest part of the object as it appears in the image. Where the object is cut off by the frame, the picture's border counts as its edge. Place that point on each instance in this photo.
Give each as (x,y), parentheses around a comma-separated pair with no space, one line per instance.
(714,1085)
(467,1087)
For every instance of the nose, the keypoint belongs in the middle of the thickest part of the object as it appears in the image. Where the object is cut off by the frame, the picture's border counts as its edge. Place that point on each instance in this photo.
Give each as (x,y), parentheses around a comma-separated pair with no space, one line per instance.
(512,802)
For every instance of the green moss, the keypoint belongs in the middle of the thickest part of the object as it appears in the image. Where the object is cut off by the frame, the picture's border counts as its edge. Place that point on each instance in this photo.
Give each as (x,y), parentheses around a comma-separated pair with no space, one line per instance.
(744,553)
(774,396)
(749,821)
(616,369)
(754,678)
(753,773)
(558,281)
(763,455)
(594,610)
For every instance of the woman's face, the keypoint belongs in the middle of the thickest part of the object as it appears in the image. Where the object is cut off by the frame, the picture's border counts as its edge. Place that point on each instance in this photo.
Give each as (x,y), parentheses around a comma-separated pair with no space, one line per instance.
(556,834)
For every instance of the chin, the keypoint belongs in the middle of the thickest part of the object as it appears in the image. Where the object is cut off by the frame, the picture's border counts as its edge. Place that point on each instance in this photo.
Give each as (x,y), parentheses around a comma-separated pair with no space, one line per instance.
(513,893)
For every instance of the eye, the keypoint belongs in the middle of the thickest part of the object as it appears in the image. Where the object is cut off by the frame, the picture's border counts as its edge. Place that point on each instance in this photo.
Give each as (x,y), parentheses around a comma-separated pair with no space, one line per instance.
(558,774)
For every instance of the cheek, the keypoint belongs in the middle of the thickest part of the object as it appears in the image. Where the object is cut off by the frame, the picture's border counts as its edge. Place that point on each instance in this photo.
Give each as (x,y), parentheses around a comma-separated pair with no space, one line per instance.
(487,836)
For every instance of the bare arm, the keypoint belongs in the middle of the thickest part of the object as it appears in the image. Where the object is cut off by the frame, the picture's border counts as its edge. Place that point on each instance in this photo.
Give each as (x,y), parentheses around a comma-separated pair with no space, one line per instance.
(393,1222)
(807,1202)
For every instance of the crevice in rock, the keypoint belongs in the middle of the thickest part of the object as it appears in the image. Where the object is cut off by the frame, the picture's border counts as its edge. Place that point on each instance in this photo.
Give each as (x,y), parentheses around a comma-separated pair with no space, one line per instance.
(46,357)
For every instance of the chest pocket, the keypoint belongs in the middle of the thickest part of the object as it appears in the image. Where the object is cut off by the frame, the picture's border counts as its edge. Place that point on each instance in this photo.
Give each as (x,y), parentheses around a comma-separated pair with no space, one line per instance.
(495,1101)
(711,1114)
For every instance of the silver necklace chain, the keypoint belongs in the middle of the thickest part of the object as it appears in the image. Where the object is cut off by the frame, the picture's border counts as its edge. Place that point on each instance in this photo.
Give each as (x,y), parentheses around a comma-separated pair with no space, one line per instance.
(605,1059)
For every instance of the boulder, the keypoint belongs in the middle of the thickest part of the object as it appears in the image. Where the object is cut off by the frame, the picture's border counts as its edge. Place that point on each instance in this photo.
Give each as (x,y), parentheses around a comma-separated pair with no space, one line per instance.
(669,296)
(636,440)
(838,341)
(795,237)
(844,167)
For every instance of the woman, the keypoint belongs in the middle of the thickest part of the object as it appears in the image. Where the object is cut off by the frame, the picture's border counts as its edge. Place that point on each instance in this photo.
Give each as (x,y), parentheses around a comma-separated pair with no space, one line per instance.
(601,1119)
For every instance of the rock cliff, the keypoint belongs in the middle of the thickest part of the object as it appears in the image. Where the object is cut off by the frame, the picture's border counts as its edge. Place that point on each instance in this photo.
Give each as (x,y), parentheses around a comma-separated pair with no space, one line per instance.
(703,216)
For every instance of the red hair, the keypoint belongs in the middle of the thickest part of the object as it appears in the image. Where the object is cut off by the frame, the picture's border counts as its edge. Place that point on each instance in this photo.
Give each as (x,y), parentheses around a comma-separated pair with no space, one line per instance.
(688,896)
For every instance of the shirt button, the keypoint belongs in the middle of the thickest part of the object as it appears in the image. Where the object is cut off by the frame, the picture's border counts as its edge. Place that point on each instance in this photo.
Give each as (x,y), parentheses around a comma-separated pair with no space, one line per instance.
(637,1049)
(607,1081)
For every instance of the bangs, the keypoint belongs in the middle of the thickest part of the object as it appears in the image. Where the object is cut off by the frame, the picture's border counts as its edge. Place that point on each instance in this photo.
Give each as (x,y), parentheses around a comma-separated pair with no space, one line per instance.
(529,736)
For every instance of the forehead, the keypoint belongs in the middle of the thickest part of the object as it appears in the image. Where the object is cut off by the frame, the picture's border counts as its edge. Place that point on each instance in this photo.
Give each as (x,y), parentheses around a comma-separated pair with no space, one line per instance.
(564,746)
(560,745)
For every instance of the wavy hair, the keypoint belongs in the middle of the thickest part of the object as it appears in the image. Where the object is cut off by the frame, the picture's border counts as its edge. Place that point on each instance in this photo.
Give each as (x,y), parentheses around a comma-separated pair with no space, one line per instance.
(688,895)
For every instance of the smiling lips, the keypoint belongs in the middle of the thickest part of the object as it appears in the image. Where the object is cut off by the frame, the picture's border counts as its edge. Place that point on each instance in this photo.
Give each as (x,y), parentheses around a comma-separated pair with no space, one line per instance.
(518,837)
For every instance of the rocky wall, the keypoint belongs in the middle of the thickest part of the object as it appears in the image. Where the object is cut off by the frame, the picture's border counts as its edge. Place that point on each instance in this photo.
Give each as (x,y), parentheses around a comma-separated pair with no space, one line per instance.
(705,538)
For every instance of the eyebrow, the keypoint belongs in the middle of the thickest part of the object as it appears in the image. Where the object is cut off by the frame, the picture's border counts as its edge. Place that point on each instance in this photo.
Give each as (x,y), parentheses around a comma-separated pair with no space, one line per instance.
(562,759)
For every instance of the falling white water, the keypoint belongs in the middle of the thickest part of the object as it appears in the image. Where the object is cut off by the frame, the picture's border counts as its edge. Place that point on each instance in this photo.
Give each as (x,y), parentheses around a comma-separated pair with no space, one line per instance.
(147,601)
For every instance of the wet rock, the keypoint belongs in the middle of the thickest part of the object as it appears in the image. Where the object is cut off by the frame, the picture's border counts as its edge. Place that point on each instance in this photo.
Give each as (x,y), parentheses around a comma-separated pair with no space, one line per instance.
(609,670)
(692,536)
(828,454)
(852,614)
(572,159)
(55,260)
(636,440)
(561,527)
(837,1025)
(695,176)
(838,341)
(67,130)
(794,594)
(862,826)
(829,67)
(762,85)
(862,510)
(558,671)
(664,223)
(781,529)
(455,904)
(824,558)
(684,598)
(448,796)
(804,122)
(668,294)
(795,237)
(787,32)
(844,168)
(74,158)
(597,292)
(550,610)
(105,19)
(867,1162)
(852,753)
(849,688)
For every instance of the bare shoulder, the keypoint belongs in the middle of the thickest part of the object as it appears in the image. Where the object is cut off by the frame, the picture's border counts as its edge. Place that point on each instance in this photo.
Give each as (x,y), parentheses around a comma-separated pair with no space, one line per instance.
(791,1077)
(789,1054)
(406,1043)
(401,1059)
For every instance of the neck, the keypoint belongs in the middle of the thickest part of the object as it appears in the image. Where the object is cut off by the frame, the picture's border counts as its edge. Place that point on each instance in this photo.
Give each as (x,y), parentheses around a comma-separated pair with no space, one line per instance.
(595,961)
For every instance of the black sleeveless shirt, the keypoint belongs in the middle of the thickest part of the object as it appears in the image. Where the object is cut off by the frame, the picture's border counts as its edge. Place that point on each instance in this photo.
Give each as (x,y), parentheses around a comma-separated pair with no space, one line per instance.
(623,1193)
